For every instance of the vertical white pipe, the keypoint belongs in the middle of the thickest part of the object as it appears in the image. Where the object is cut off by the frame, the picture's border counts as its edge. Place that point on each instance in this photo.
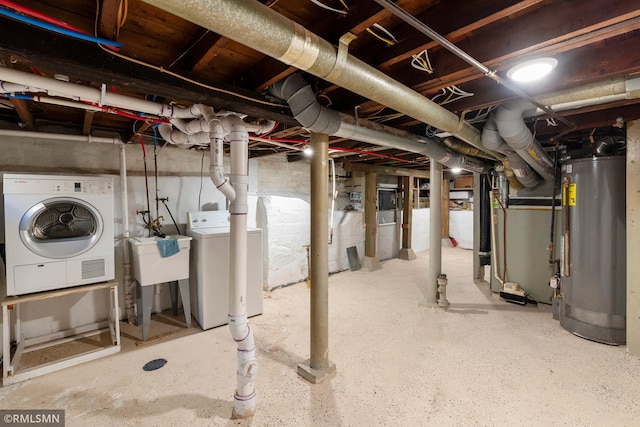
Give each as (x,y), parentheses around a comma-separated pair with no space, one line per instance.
(247,368)
(435,230)
(129,285)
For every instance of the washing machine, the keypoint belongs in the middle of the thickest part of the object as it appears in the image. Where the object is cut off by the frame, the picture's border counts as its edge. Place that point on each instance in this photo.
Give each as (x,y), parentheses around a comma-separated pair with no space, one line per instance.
(59,231)
(209,268)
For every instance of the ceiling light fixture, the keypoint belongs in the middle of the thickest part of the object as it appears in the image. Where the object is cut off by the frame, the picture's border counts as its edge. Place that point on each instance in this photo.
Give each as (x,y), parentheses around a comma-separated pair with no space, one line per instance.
(307,151)
(456,170)
(532,70)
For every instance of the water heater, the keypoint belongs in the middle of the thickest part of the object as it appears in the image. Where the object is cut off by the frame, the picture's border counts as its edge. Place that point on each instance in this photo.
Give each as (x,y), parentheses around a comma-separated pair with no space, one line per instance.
(594,254)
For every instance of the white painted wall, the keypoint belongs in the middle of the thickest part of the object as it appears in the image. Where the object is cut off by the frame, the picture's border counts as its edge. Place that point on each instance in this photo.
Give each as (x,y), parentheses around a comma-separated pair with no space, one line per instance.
(286,229)
(461,228)
(420,230)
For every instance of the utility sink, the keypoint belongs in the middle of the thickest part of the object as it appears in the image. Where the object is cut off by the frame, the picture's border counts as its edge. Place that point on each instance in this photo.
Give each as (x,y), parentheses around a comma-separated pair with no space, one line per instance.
(149,267)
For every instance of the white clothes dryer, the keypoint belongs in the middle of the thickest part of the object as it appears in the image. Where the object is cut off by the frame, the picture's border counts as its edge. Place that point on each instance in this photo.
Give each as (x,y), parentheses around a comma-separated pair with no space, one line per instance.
(59,231)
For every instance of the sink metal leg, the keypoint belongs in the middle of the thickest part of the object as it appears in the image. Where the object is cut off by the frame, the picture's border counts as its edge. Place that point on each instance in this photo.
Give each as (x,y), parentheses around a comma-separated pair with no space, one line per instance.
(147,302)
(186,300)
(173,290)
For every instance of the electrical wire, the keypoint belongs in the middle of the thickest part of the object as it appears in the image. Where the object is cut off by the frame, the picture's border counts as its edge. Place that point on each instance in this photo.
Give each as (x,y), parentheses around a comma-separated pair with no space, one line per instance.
(201,178)
(57,29)
(420,61)
(452,91)
(324,6)
(186,79)
(123,9)
(188,49)
(390,40)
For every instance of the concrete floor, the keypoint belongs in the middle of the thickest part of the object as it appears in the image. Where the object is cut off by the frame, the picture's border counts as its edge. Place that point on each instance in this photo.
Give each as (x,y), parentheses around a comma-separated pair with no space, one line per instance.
(481,362)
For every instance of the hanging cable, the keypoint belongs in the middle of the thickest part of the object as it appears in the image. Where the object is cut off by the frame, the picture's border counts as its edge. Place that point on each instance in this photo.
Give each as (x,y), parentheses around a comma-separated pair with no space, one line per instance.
(188,49)
(388,38)
(454,94)
(420,61)
(201,178)
(324,6)
(123,9)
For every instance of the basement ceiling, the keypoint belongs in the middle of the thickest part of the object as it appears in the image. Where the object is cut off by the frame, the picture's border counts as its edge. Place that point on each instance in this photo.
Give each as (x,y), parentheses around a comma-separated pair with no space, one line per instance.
(168,59)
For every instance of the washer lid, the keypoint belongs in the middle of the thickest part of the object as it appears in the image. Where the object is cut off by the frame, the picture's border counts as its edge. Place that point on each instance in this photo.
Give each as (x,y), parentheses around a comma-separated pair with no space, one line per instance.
(61,227)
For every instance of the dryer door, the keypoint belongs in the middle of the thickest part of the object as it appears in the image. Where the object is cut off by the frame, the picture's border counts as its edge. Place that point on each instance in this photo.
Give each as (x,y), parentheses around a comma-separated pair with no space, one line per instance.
(61,227)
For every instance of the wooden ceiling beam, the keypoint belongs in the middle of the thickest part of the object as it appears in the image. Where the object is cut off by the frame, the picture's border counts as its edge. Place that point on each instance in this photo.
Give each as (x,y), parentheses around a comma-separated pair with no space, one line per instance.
(86,123)
(25,115)
(108,20)
(382,170)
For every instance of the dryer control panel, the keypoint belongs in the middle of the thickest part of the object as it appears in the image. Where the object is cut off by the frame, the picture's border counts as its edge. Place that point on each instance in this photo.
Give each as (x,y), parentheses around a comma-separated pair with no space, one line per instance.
(85,187)
(56,184)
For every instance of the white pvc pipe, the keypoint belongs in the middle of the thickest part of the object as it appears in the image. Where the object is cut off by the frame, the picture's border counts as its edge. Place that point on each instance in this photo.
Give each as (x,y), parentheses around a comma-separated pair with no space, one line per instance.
(77,92)
(60,137)
(129,285)
(65,103)
(216,156)
(177,137)
(247,368)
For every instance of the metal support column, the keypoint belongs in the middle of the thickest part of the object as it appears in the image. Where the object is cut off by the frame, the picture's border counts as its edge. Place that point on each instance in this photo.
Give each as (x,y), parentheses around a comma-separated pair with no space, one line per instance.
(435,234)
(318,367)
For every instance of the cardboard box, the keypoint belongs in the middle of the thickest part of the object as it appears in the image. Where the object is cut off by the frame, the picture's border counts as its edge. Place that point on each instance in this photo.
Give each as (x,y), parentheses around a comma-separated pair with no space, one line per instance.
(463,182)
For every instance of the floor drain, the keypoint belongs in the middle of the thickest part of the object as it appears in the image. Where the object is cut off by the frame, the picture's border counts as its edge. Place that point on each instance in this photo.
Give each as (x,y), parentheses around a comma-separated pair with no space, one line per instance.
(154,364)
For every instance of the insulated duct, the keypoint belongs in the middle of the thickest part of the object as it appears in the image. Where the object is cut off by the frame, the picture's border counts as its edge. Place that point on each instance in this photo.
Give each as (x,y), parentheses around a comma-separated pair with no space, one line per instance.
(248,21)
(513,130)
(492,141)
(591,94)
(295,90)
